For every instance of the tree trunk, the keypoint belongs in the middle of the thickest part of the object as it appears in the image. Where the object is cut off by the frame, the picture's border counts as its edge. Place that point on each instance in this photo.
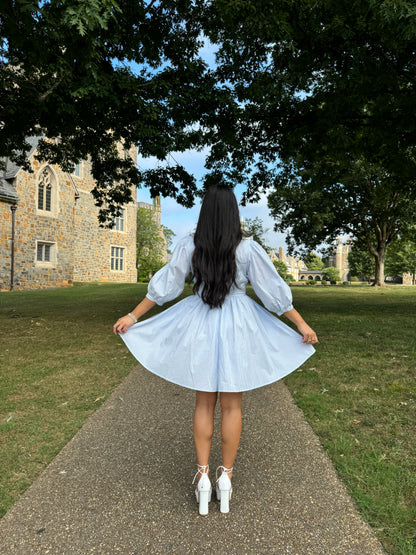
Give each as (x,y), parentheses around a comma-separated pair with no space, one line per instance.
(379,268)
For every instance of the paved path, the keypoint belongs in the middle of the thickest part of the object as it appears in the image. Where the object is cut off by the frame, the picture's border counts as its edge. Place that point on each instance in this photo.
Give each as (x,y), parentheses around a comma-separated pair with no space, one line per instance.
(123,485)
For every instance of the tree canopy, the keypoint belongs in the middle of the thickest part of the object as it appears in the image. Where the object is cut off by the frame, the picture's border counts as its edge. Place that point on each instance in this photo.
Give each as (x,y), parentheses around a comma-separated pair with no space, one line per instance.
(169,235)
(255,229)
(91,75)
(323,115)
(361,262)
(312,101)
(313,261)
(402,256)
(282,270)
(315,78)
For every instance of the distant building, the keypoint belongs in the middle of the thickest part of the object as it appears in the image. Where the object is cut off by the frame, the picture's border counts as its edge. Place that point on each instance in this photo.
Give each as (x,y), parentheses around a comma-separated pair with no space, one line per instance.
(295,266)
(339,258)
(57,237)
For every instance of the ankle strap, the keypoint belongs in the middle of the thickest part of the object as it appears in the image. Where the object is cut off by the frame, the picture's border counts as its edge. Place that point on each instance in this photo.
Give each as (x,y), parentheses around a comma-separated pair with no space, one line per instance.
(226,470)
(202,469)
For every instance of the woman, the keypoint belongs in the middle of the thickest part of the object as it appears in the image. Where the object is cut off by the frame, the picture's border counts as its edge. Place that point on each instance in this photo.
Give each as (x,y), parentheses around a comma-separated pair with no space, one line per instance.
(218,340)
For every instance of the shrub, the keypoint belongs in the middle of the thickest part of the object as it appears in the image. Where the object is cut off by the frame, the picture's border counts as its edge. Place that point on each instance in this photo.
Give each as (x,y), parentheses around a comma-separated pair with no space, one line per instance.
(333,282)
(311,282)
(331,274)
(354,278)
(345,283)
(324,282)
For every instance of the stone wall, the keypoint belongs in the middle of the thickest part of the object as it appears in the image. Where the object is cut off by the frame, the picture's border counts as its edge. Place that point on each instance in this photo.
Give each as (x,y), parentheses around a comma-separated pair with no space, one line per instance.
(78,249)
(92,244)
(35,226)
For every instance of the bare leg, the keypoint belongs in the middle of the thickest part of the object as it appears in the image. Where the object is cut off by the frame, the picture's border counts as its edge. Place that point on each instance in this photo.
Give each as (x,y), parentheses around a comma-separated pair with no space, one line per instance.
(230,427)
(204,424)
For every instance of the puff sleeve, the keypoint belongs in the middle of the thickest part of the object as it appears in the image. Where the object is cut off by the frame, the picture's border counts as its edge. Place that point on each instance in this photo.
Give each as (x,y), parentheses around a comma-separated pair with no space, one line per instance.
(271,289)
(169,281)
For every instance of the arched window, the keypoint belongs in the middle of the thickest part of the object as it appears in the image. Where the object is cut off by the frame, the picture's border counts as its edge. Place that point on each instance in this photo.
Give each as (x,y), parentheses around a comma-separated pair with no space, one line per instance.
(45,191)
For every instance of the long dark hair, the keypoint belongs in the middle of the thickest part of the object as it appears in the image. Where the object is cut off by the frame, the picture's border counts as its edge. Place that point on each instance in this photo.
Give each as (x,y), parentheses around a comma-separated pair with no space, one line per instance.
(217,235)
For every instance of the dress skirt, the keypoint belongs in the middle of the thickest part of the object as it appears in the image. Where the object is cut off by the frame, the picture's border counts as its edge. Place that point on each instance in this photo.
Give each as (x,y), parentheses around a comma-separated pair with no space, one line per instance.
(237,347)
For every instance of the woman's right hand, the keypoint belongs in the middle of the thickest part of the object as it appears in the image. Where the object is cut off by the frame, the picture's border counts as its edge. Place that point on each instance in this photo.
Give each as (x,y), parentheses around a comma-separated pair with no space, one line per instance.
(122,324)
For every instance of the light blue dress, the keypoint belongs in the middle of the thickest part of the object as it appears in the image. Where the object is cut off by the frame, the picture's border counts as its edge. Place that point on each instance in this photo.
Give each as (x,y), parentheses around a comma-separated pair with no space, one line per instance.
(237,347)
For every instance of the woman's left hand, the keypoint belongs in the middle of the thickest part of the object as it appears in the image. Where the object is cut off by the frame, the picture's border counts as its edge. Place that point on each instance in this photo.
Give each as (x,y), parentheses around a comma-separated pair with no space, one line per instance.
(122,324)
(309,336)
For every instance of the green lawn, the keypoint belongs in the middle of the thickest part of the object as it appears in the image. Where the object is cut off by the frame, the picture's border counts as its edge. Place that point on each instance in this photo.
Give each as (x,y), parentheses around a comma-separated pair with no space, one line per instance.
(59,361)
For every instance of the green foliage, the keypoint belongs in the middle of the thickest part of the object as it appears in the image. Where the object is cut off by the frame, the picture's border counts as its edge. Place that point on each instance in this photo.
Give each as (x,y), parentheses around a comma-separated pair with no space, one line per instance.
(324,96)
(361,262)
(313,261)
(331,274)
(150,244)
(282,270)
(93,73)
(402,255)
(169,235)
(254,228)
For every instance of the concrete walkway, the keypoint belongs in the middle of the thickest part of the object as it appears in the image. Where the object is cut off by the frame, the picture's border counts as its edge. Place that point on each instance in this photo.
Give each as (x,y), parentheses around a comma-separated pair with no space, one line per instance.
(123,484)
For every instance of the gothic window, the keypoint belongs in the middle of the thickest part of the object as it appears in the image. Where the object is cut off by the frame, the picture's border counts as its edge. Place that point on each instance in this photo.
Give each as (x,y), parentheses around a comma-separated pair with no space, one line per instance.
(45,191)
(117,259)
(119,222)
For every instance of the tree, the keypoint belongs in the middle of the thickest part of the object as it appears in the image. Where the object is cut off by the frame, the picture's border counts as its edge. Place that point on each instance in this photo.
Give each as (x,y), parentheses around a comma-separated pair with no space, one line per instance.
(91,75)
(169,235)
(323,93)
(364,202)
(150,243)
(361,262)
(330,274)
(313,262)
(402,255)
(254,228)
(282,269)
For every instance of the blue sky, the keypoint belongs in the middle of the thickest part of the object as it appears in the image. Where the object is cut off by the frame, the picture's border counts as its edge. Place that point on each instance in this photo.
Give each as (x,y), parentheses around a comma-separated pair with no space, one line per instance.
(183,220)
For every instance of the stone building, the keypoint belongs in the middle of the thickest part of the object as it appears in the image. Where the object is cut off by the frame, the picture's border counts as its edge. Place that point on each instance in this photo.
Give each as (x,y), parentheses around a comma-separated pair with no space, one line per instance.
(295,266)
(57,238)
(339,258)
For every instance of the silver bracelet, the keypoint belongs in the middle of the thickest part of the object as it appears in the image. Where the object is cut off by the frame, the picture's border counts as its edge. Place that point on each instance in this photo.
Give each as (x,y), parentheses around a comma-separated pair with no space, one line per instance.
(132,317)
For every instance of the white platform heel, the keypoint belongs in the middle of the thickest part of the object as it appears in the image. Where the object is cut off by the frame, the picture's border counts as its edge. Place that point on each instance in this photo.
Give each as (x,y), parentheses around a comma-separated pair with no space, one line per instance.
(203,490)
(224,488)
